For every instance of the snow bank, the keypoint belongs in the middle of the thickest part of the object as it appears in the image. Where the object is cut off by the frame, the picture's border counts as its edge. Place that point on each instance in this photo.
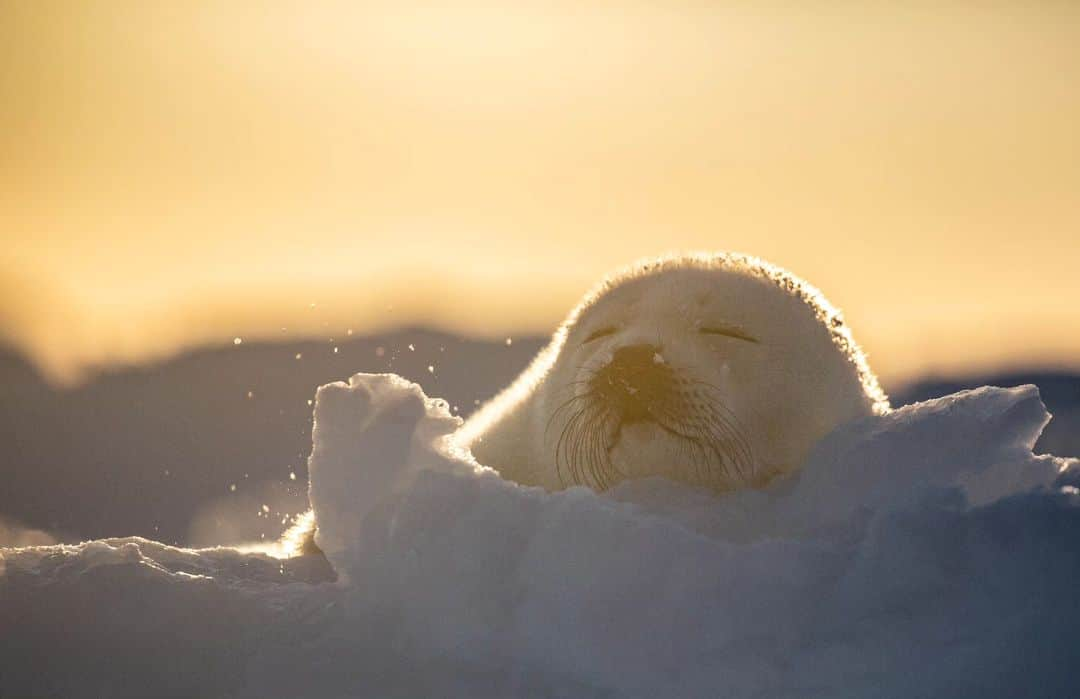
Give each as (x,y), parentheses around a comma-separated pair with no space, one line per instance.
(923,553)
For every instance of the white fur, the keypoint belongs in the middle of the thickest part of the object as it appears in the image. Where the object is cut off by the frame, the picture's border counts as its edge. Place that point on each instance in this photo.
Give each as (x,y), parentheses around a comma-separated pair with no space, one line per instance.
(804,376)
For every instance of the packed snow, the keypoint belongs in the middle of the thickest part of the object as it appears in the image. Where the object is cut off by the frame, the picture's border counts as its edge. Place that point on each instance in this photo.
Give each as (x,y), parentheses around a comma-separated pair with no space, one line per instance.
(925,553)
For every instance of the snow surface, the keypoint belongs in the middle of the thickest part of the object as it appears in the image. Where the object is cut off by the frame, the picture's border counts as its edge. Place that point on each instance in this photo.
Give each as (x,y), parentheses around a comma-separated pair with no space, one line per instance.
(924,553)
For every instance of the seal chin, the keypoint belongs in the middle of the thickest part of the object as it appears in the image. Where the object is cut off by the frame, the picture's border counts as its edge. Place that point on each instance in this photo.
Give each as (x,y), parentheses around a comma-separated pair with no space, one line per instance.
(680,451)
(640,447)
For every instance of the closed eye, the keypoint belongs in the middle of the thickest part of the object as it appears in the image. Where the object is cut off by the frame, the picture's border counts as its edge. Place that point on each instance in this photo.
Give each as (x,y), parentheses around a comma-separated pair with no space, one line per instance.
(727,331)
(597,334)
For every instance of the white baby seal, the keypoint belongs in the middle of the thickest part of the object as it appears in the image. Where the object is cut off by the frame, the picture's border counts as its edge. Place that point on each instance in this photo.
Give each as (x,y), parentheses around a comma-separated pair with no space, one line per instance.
(718,370)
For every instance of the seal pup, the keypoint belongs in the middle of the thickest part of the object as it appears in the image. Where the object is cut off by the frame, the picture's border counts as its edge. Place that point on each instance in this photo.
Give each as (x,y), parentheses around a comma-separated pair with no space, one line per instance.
(717,370)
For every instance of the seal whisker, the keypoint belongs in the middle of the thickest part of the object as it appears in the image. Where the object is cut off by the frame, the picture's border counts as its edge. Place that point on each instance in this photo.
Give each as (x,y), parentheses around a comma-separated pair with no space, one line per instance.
(566,438)
(563,406)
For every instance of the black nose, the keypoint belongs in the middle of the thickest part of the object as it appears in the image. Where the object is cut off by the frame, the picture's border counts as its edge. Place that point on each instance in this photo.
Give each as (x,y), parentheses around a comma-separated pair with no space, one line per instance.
(635,356)
(634,380)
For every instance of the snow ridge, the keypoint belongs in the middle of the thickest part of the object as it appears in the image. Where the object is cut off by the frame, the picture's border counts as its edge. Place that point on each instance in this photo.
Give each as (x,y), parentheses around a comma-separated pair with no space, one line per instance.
(925,552)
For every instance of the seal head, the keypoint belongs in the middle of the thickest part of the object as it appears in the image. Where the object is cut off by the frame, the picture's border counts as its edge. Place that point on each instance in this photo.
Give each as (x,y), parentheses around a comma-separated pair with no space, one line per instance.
(720,371)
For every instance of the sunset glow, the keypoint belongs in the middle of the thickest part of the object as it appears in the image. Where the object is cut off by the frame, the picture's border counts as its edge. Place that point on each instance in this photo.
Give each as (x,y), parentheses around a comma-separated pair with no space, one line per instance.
(180,174)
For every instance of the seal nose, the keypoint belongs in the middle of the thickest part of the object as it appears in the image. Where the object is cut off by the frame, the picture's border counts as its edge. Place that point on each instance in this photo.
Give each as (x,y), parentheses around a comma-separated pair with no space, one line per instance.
(633,380)
(634,356)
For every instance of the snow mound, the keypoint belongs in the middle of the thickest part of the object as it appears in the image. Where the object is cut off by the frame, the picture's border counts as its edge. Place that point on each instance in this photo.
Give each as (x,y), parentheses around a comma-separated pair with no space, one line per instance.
(926,552)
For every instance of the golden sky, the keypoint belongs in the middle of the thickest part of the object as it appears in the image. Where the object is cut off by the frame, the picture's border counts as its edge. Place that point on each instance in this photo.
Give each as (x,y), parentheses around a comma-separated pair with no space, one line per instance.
(180,173)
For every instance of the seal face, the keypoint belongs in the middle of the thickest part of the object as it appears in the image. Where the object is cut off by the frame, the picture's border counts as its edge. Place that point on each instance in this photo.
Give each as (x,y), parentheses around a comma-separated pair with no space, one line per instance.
(720,371)
(636,406)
